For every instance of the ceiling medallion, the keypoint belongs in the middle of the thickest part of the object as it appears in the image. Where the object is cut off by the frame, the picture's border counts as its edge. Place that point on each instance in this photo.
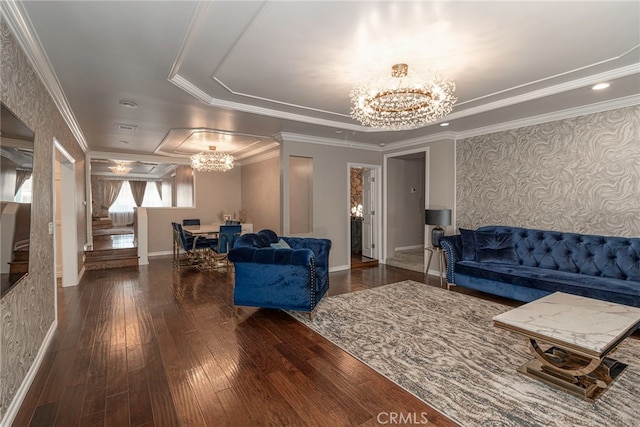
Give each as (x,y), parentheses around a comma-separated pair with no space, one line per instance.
(212,161)
(120,168)
(402,101)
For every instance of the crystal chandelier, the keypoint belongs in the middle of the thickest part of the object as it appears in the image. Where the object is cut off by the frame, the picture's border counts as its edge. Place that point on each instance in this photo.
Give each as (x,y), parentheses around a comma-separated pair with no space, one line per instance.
(120,168)
(402,101)
(212,161)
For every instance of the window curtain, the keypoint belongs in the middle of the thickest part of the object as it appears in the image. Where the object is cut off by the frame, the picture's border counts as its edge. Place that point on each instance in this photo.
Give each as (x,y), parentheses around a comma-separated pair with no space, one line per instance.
(159,188)
(110,191)
(21,177)
(137,189)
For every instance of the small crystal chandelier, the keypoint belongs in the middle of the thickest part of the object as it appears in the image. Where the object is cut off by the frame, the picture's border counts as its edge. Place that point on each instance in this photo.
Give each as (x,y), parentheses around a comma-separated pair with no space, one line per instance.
(212,161)
(401,101)
(120,168)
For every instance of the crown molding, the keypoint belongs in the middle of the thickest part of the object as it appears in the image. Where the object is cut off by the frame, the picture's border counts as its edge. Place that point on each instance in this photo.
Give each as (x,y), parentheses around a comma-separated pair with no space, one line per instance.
(548,91)
(20,25)
(274,152)
(107,155)
(287,136)
(599,107)
(408,143)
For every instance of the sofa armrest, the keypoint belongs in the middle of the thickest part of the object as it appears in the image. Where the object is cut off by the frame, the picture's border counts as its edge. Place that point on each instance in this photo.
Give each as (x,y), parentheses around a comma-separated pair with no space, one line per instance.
(320,247)
(452,246)
(302,257)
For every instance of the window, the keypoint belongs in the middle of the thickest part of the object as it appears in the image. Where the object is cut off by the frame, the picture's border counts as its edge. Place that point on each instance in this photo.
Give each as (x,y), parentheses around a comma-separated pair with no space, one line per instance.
(121,212)
(24,193)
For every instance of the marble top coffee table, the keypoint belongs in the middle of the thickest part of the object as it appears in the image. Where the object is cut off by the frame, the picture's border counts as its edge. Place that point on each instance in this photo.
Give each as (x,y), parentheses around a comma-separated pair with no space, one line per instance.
(581,332)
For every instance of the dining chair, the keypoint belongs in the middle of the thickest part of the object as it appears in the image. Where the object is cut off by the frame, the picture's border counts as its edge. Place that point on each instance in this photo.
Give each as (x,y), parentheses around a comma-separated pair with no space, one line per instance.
(197,249)
(226,239)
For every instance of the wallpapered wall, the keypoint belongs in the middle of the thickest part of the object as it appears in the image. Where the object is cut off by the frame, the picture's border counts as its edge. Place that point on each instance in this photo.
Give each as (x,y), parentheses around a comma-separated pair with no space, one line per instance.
(28,310)
(580,175)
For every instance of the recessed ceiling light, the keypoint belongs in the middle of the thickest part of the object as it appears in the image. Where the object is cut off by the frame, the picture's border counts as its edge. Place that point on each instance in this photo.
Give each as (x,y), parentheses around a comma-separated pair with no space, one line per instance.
(128,104)
(600,86)
(338,131)
(445,124)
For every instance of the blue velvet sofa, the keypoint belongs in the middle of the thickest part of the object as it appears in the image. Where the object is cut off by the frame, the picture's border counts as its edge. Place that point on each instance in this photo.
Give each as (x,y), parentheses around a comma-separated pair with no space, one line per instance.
(290,273)
(526,264)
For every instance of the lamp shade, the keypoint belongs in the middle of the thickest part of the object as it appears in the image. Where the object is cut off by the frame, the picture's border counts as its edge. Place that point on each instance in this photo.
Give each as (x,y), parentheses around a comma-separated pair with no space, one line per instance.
(437,216)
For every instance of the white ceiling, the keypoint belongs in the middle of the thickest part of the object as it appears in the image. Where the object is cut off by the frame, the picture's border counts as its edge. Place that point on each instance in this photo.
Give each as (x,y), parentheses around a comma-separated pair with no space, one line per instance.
(247,72)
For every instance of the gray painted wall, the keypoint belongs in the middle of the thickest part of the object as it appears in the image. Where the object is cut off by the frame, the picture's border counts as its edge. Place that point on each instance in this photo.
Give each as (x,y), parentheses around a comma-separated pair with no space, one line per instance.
(28,311)
(215,192)
(331,218)
(577,175)
(261,194)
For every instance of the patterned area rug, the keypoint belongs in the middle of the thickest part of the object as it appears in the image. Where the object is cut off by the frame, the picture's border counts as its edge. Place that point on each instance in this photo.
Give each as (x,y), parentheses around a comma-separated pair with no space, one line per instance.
(442,347)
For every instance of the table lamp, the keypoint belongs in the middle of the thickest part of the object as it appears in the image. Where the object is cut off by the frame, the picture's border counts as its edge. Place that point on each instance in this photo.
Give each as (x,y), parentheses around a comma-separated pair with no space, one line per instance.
(437,217)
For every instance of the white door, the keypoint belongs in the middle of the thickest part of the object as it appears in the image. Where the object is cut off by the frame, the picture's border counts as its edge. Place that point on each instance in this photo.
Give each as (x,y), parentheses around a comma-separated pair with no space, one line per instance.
(368,213)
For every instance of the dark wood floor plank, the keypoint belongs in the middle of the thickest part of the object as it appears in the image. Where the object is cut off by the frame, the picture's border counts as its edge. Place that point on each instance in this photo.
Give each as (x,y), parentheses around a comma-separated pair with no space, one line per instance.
(164,411)
(117,369)
(71,411)
(43,416)
(151,346)
(117,410)
(96,397)
(140,408)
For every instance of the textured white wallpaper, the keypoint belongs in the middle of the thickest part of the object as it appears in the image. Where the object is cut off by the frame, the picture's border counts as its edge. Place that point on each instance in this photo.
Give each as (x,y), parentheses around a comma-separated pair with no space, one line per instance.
(27,311)
(579,175)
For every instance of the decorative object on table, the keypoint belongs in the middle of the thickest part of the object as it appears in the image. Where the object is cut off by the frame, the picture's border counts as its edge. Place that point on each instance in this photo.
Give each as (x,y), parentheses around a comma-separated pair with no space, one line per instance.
(242,215)
(212,161)
(401,101)
(276,277)
(442,348)
(221,216)
(437,217)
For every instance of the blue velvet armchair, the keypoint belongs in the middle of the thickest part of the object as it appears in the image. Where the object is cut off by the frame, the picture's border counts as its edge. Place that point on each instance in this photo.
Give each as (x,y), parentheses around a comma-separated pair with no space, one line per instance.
(289,273)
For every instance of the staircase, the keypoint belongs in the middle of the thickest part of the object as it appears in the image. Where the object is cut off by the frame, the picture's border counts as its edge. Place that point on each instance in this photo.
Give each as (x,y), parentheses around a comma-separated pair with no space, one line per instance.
(20,263)
(100,259)
(411,259)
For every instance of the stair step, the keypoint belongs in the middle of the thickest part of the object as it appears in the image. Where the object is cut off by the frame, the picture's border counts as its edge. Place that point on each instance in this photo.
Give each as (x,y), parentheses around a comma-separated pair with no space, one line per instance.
(16,267)
(20,256)
(111,263)
(99,253)
(100,259)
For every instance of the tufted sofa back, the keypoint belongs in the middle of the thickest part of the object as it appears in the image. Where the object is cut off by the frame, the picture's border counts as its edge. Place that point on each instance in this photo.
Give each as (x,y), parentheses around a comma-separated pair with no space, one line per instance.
(605,256)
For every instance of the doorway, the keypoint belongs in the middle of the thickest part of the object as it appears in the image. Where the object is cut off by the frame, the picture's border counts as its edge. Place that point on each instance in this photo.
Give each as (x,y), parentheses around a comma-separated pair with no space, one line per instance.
(364,215)
(65,230)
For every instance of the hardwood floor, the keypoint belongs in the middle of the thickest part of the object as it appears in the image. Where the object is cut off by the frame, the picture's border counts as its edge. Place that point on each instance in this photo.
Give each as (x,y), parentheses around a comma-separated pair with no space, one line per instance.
(153,346)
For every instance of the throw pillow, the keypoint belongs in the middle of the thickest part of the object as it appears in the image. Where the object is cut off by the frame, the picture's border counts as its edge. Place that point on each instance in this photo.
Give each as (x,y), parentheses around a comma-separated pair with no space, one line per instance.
(468,244)
(495,247)
(281,244)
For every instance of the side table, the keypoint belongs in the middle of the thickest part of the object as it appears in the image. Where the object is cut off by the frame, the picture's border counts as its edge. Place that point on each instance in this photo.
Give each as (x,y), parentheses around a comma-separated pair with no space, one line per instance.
(439,252)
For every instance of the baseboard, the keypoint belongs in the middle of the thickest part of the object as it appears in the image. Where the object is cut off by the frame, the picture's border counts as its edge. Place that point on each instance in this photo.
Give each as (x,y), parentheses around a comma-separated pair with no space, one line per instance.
(15,404)
(82,270)
(159,253)
(406,248)
(339,268)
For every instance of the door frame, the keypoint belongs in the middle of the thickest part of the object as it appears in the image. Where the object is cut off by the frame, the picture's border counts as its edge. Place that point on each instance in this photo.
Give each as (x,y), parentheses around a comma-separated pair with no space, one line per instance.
(377,223)
(386,157)
(68,215)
